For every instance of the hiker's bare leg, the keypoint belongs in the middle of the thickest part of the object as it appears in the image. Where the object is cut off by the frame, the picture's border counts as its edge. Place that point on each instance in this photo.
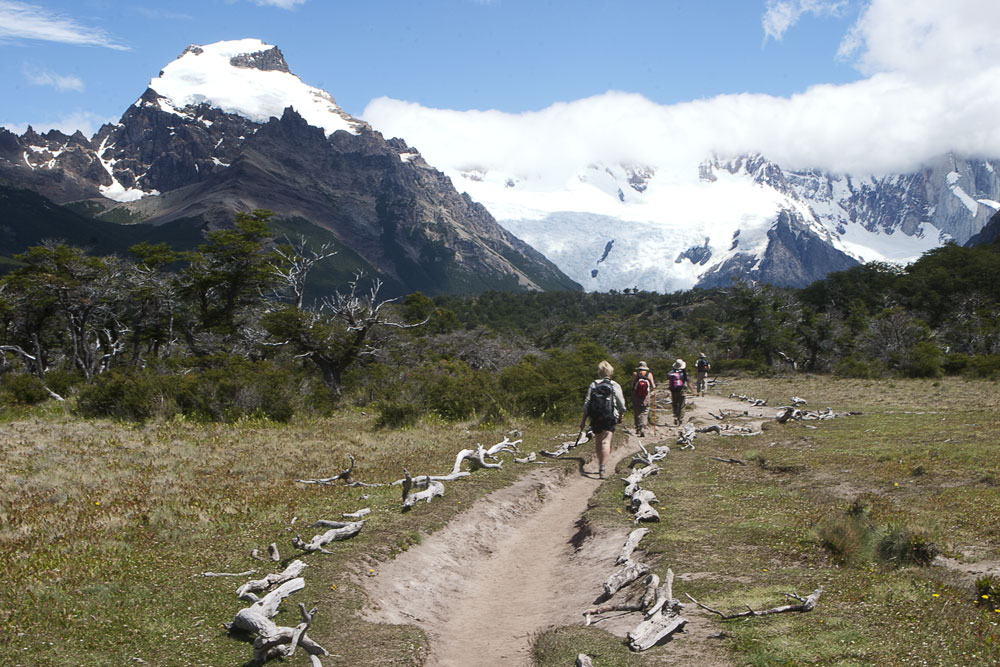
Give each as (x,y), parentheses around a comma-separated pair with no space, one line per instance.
(603,446)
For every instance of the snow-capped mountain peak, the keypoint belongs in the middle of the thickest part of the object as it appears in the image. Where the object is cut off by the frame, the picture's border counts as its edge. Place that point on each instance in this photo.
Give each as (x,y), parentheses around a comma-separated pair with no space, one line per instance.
(245,77)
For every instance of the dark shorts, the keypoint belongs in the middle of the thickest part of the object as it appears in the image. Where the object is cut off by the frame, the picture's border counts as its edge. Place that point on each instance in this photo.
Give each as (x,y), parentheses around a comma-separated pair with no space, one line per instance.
(599,425)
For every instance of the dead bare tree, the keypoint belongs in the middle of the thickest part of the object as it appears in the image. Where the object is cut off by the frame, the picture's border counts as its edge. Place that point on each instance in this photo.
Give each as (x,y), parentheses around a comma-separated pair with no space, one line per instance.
(297,260)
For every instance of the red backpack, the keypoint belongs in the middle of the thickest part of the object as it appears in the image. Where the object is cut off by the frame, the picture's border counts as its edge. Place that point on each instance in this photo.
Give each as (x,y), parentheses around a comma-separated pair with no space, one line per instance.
(641,388)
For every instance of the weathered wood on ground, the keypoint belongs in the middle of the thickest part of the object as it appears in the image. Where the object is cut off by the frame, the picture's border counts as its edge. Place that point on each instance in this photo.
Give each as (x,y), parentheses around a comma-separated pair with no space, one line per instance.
(624,576)
(630,545)
(272,640)
(807,603)
(338,531)
(247,591)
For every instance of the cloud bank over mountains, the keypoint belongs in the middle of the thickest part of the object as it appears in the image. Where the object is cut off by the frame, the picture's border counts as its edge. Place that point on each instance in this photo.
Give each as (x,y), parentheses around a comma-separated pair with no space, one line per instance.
(932,84)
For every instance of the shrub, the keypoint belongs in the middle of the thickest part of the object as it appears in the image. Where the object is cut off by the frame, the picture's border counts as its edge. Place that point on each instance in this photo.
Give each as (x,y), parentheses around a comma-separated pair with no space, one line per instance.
(23,388)
(984,366)
(133,396)
(852,367)
(849,537)
(393,414)
(924,361)
(238,388)
(904,546)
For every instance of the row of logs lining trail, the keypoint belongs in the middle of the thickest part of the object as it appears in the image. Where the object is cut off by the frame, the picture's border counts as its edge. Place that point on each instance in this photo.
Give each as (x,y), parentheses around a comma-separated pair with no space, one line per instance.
(257,620)
(661,611)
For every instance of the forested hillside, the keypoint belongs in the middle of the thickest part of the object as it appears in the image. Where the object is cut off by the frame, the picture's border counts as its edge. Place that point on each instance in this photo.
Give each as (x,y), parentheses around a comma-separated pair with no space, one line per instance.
(225,331)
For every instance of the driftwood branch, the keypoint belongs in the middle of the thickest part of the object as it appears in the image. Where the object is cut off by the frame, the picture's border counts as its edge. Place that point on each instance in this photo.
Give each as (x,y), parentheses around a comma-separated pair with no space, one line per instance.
(338,531)
(433,489)
(272,640)
(630,544)
(805,604)
(625,575)
(247,590)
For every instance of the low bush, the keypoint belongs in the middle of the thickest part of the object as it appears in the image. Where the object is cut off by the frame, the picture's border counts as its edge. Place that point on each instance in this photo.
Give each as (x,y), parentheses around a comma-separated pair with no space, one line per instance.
(902,545)
(22,388)
(397,415)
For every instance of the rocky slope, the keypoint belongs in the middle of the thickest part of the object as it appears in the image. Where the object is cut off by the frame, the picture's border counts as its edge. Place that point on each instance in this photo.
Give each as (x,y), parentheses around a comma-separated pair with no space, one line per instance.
(227,127)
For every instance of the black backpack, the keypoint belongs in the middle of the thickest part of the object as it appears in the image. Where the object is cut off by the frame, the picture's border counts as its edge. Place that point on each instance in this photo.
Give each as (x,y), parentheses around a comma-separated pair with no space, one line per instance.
(701,364)
(602,403)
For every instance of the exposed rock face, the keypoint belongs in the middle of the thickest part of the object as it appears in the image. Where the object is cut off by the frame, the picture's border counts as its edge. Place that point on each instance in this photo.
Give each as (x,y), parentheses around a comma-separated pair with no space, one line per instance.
(795,256)
(989,233)
(378,198)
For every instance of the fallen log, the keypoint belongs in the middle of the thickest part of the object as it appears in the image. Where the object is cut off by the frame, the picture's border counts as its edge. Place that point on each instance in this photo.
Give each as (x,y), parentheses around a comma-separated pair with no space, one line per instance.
(807,603)
(247,591)
(433,489)
(582,438)
(583,660)
(652,583)
(345,475)
(227,574)
(625,575)
(359,514)
(630,545)
(642,507)
(737,461)
(272,640)
(636,476)
(661,620)
(530,458)
(338,531)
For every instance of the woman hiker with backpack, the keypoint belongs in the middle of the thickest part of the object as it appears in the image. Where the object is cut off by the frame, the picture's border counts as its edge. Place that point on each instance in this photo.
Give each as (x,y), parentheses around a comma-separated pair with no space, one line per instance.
(643,386)
(701,368)
(604,405)
(677,379)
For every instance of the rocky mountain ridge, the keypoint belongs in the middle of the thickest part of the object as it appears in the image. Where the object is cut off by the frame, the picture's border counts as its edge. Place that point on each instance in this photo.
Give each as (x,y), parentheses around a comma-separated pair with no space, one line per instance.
(180,155)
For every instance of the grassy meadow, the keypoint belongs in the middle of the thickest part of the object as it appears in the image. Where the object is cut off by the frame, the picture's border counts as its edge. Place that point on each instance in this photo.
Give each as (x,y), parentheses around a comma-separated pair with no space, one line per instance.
(105,527)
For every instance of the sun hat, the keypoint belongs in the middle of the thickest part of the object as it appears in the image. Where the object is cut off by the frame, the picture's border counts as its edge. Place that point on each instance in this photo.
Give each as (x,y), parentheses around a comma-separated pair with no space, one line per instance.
(701,354)
(642,366)
(679,365)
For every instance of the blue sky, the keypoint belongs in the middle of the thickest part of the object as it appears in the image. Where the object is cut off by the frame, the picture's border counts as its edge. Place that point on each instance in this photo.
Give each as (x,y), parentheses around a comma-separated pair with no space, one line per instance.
(89,59)
(846,85)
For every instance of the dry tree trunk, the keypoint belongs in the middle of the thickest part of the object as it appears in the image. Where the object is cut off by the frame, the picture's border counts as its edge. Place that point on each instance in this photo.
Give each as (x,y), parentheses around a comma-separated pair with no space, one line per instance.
(661,620)
(247,590)
(272,639)
(338,531)
(433,489)
(807,603)
(630,544)
(628,573)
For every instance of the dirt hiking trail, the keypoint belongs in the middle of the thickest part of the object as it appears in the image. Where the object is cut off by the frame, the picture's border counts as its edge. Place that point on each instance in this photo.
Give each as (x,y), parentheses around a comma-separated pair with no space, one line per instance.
(521,560)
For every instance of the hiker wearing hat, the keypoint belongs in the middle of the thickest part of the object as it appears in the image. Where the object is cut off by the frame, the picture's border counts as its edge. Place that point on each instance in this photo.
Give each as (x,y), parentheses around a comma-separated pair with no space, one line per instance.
(604,405)
(643,387)
(701,368)
(677,380)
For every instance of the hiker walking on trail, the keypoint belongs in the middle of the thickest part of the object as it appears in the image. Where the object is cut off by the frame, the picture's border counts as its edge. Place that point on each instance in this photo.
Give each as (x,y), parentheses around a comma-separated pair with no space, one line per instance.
(604,405)
(677,380)
(643,387)
(701,368)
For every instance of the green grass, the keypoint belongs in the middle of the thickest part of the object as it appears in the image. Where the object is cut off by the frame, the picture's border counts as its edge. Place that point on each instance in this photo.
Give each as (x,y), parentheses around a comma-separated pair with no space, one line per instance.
(922,459)
(104,527)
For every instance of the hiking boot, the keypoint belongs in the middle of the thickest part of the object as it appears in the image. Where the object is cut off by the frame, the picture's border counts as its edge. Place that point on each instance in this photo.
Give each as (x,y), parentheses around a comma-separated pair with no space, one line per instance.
(603,474)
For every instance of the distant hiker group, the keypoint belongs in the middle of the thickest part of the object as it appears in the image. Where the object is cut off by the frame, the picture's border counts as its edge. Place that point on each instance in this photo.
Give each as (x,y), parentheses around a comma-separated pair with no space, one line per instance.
(604,404)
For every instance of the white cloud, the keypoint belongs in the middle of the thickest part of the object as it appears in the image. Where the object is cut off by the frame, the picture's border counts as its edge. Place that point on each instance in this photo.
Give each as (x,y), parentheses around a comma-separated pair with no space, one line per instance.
(783,14)
(925,39)
(41,77)
(933,87)
(88,123)
(19,20)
